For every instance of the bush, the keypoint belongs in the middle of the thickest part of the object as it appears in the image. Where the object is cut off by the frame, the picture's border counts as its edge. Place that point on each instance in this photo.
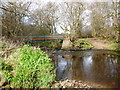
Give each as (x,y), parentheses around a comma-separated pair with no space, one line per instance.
(30,68)
(82,44)
(50,44)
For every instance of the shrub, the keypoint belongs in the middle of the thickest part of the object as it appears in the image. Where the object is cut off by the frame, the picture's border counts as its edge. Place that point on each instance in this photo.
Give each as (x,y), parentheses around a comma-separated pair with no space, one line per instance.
(50,44)
(30,68)
(82,44)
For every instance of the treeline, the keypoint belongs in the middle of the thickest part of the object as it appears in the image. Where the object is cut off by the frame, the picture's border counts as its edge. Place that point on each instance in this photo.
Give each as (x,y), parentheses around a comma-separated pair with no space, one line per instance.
(19,20)
(106,20)
(76,19)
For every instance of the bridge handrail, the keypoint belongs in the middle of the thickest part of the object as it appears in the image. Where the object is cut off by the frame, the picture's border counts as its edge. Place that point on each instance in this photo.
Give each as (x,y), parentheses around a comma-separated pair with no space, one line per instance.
(39,36)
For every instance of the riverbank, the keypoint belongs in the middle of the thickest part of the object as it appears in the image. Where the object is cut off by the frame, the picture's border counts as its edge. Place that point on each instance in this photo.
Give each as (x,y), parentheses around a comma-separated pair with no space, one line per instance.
(79,44)
(104,44)
(90,43)
(77,84)
(63,84)
(66,83)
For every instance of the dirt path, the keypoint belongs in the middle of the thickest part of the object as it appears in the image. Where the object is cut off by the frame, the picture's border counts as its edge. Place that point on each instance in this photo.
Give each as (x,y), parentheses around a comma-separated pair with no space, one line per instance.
(99,44)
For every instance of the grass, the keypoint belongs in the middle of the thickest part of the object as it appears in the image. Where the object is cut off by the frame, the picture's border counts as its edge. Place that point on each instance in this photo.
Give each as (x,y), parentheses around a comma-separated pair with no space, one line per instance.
(114,46)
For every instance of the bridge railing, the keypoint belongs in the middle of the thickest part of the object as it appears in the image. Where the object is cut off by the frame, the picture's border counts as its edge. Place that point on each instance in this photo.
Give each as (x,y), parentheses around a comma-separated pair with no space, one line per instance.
(40,38)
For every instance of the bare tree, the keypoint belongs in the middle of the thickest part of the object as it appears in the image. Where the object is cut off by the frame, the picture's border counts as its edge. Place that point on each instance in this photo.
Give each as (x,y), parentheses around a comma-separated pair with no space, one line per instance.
(105,19)
(12,14)
(72,18)
(45,18)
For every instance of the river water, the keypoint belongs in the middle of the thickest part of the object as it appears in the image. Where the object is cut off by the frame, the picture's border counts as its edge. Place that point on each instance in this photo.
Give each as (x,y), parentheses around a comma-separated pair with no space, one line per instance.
(91,66)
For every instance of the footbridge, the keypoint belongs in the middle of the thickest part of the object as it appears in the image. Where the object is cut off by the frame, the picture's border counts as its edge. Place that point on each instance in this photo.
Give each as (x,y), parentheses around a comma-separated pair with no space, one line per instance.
(41,38)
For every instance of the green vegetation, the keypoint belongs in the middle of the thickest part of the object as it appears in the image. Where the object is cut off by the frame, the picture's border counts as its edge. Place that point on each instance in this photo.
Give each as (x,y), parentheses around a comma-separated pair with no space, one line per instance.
(114,46)
(82,44)
(115,53)
(28,68)
(50,44)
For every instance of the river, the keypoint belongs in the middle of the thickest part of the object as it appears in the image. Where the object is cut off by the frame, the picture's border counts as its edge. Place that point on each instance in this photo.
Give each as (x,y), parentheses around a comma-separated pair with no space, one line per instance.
(91,66)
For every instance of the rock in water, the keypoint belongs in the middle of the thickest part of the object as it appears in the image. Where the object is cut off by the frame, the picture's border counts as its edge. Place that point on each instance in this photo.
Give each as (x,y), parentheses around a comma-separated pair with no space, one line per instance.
(67,44)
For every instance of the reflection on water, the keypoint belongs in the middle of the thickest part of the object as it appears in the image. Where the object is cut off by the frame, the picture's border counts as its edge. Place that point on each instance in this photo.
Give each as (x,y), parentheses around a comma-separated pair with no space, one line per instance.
(92,66)
(87,66)
(63,66)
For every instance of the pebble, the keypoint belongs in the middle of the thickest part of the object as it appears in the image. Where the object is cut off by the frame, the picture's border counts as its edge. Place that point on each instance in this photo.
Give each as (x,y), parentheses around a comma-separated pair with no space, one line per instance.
(2,82)
(7,86)
(73,84)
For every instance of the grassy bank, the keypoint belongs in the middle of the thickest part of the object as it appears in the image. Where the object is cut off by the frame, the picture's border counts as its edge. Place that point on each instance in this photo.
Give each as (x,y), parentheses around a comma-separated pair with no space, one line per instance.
(49,44)
(114,46)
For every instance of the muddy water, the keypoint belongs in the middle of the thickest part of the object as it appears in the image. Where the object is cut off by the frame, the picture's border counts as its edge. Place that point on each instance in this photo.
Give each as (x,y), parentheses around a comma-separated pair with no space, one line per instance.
(91,66)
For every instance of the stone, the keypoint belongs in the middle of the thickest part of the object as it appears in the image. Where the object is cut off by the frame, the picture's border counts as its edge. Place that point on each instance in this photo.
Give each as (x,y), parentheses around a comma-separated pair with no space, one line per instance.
(69,84)
(64,87)
(67,44)
(2,82)
(7,86)
(73,84)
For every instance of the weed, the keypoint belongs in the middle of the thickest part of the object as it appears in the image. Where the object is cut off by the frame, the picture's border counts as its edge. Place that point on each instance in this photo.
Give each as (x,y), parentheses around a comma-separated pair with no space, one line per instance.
(30,69)
(50,44)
